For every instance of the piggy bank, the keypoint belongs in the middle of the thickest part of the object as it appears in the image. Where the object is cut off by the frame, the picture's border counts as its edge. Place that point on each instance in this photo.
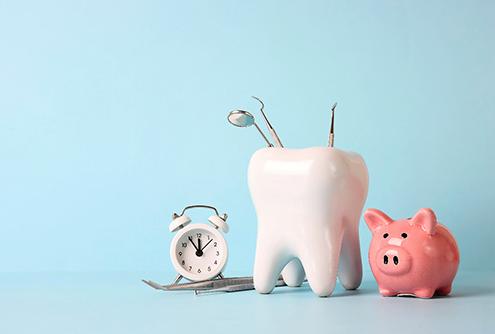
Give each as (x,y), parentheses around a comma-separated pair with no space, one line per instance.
(415,256)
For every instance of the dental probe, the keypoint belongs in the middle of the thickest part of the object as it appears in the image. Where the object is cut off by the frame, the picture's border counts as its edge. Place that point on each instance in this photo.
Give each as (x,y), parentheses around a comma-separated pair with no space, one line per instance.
(272,131)
(331,136)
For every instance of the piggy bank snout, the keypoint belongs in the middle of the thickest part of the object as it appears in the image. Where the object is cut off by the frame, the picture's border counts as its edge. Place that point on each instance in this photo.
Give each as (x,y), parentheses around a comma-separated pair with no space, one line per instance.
(393,260)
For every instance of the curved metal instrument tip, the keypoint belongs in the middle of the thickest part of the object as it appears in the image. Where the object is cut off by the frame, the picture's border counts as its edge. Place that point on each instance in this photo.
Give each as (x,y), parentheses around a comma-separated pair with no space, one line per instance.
(259,100)
(152,284)
(272,131)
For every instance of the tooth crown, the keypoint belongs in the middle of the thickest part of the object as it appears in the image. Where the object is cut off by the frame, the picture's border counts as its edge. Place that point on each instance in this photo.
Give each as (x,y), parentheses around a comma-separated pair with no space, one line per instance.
(308,203)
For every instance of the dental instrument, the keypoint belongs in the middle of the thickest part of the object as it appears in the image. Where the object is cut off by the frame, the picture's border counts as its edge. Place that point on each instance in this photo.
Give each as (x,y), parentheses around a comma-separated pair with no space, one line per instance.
(272,131)
(243,119)
(331,136)
(201,285)
(236,288)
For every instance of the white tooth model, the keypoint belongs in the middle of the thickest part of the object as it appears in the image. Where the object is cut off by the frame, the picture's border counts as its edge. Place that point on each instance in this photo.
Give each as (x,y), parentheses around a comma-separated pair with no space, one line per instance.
(308,203)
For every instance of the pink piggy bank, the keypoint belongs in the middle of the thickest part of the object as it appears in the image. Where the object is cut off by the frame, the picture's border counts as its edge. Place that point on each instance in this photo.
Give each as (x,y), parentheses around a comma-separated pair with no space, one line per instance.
(416,256)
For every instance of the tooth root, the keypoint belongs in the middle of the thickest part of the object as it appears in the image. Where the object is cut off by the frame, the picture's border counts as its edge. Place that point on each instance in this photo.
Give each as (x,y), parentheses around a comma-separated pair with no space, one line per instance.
(321,271)
(293,273)
(268,265)
(350,266)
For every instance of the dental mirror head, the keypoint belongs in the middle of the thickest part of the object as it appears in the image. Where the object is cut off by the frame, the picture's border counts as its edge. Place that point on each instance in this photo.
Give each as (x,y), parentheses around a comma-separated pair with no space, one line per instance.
(244,119)
(241,118)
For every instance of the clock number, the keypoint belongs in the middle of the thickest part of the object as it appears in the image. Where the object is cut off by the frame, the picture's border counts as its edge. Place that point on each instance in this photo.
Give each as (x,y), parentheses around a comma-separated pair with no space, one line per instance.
(180,253)
(209,268)
(198,235)
(183,262)
(215,262)
(218,253)
(184,244)
(209,237)
(214,244)
(199,271)
(190,267)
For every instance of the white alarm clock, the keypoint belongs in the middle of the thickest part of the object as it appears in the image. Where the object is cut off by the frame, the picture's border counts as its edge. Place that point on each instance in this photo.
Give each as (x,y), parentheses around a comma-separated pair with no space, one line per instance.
(198,251)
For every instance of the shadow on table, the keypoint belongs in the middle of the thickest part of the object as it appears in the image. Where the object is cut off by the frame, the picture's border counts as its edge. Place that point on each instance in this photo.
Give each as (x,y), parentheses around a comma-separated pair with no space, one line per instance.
(338,292)
(462,291)
(471,291)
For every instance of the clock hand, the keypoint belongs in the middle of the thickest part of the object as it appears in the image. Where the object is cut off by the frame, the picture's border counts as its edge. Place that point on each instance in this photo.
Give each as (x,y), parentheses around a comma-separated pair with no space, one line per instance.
(190,239)
(199,251)
(206,244)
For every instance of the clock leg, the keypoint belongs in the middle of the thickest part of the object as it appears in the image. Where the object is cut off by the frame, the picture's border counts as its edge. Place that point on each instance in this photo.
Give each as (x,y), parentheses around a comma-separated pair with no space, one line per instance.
(220,276)
(177,279)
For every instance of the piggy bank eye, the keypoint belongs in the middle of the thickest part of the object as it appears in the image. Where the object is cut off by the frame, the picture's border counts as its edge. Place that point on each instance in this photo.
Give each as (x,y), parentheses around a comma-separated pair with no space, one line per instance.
(385,236)
(404,235)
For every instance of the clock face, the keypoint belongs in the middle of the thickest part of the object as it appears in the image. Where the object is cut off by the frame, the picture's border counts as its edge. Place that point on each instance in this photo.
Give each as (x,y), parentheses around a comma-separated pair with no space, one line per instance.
(199,252)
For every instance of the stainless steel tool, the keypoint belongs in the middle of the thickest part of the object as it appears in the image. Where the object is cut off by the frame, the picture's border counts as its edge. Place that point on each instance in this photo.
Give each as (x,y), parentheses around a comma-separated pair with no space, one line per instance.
(243,119)
(236,288)
(201,285)
(230,284)
(272,131)
(331,136)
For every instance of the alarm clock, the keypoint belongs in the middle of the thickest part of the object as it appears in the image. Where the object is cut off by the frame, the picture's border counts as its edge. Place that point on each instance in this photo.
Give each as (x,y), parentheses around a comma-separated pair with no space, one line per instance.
(198,251)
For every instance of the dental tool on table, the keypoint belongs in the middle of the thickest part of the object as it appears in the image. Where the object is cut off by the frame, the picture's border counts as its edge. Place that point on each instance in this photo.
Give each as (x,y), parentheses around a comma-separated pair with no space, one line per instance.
(236,288)
(243,119)
(201,285)
(331,136)
(231,284)
(272,131)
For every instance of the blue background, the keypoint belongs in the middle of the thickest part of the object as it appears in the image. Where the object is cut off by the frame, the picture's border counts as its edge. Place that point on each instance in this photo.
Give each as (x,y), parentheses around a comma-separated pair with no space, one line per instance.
(113,116)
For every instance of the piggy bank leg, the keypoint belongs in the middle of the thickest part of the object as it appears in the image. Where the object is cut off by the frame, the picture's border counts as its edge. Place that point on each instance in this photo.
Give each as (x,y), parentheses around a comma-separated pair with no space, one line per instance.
(293,273)
(386,292)
(444,291)
(424,293)
(350,266)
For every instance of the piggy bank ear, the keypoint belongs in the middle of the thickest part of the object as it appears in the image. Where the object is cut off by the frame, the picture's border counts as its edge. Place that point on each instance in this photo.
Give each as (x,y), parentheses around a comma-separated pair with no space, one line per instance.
(375,218)
(426,219)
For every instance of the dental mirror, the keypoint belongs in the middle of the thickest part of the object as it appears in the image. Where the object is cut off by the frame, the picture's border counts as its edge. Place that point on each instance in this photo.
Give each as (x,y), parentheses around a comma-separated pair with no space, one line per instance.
(244,119)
